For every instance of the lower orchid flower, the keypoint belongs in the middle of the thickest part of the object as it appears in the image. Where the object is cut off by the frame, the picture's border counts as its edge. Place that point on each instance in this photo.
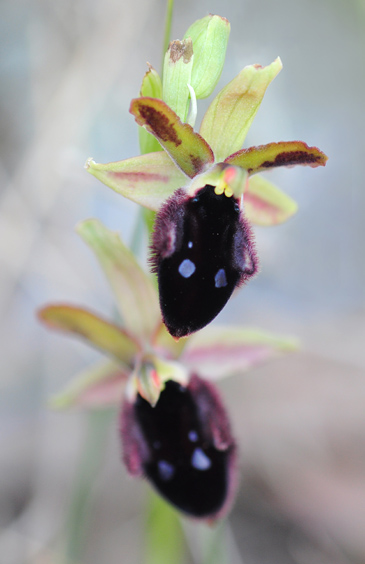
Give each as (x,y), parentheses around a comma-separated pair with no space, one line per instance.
(174,428)
(184,446)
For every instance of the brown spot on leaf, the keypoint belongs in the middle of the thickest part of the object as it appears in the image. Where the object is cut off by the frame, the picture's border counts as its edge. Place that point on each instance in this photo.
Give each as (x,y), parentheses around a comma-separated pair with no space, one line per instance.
(283,153)
(180,49)
(197,163)
(159,124)
(288,158)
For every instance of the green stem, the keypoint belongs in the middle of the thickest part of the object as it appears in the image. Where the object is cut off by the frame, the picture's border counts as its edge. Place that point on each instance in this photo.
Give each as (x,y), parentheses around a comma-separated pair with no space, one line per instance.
(215,549)
(164,541)
(98,423)
(164,536)
(168,21)
(138,232)
(148,215)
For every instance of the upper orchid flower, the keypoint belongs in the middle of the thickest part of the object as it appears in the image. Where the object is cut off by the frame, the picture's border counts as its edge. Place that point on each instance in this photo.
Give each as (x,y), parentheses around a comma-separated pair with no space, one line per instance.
(204,186)
(174,428)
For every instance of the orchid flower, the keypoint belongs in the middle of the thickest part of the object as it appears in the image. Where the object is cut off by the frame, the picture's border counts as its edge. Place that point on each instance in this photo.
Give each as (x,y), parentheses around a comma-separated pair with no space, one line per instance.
(204,186)
(156,375)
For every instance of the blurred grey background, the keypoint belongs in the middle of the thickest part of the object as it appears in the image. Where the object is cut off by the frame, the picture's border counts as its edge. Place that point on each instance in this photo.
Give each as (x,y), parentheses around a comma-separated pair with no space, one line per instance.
(68,71)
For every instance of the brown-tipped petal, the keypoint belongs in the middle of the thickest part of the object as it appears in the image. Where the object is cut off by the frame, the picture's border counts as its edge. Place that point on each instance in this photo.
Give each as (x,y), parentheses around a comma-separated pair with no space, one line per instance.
(188,149)
(284,153)
(147,180)
(99,333)
(265,204)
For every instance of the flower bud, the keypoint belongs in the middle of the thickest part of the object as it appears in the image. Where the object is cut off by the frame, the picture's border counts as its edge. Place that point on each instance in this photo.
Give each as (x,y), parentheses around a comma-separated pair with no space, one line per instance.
(151,86)
(177,70)
(183,446)
(210,37)
(202,249)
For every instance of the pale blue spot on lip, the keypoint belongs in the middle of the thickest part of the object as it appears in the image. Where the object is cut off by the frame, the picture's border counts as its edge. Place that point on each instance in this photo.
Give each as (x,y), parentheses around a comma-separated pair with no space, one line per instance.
(190,244)
(200,461)
(220,279)
(187,268)
(193,436)
(166,470)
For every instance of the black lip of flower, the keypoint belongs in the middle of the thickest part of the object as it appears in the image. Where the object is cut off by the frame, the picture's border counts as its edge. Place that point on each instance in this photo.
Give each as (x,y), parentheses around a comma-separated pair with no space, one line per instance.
(184,447)
(202,249)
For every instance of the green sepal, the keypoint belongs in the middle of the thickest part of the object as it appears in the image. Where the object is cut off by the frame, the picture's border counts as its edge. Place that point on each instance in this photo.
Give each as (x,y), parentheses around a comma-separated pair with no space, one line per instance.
(98,332)
(229,116)
(135,294)
(98,386)
(265,204)
(147,179)
(217,351)
(210,38)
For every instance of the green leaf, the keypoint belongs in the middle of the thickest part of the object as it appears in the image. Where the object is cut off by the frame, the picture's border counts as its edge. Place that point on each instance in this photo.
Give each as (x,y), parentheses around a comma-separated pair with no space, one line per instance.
(151,86)
(102,334)
(210,37)
(229,116)
(147,180)
(186,148)
(216,352)
(98,386)
(177,69)
(134,291)
(272,155)
(265,204)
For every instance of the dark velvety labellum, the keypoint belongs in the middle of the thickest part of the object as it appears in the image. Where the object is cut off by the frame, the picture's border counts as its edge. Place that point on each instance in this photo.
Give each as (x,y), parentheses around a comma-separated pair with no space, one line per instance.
(202,249)
(181,459)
